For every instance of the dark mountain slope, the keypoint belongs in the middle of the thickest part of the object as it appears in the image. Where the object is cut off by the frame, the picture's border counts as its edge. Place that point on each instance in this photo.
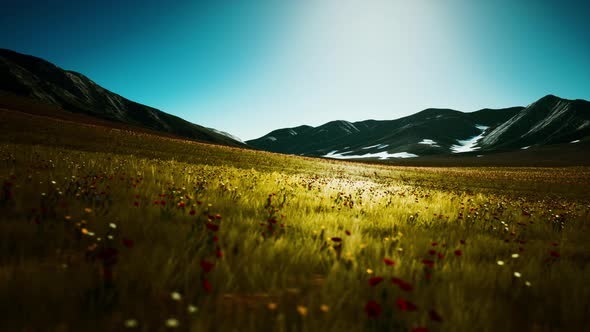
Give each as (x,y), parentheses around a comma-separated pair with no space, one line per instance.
(35,78)
(549,120)
(432,131)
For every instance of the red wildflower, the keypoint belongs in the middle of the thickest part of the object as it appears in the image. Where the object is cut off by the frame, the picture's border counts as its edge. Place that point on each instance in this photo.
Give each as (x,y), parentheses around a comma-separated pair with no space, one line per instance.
(336,239)
(192,212)
(402,284)
(215,238)
(136,203)
(162,202)
(555,254)
(388,261)
(374,281)
(458,252)
(218,253)
(396,281)
(212,227)
(440,255)
(419,329)
(432,252)
(181,204)
(404,305)
(428,262)
(435,316)
(373,309)
(207,266)
(434,244)
(347,232)
(555,244)
(462,241)
(406,286)
(207,286)
(401,304)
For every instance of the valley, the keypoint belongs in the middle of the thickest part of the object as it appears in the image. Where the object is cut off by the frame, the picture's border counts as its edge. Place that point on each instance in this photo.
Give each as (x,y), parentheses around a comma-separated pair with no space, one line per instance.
(294,166)
(108,228)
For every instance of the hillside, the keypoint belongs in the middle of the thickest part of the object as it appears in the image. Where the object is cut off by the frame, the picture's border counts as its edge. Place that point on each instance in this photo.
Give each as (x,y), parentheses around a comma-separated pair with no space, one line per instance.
(25,76)
(432,131)
(110,229)
(550,120)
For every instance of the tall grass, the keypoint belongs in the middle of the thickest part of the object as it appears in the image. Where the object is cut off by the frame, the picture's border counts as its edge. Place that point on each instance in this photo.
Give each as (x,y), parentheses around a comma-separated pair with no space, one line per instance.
(105,230)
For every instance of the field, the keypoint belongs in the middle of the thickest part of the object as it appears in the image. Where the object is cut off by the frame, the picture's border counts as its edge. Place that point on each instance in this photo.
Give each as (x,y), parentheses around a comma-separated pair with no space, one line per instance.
(105,229)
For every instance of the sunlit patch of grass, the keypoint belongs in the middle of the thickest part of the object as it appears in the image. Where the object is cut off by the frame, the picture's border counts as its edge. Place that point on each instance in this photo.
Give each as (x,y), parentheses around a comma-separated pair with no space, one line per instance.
(124,231)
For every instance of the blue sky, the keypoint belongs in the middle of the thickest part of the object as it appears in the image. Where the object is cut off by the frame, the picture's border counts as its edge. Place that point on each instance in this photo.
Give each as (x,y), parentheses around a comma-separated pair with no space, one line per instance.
(248,67)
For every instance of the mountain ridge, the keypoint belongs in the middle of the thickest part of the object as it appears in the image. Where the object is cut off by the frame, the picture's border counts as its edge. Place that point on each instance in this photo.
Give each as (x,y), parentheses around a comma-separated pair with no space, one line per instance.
(438,131)
(430,132)
(33,77)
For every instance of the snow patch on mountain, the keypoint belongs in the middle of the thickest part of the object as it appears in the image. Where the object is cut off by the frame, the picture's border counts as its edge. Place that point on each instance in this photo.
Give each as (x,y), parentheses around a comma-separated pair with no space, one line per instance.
(584,125)
(576,141)
(525,147)
(348,127)
(403,155)
(378,146)
(427,141)
(292,132)
(430,142)
(493,136)
(559,110)
(384,155)
(271,138)
(469,144)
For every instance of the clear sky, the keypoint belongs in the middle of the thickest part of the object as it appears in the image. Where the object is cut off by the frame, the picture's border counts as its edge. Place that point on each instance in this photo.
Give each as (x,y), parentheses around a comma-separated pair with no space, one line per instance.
(248,67)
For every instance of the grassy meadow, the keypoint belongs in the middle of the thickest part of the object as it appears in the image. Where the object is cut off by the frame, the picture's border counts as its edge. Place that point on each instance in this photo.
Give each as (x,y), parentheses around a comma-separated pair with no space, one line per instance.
(105,229)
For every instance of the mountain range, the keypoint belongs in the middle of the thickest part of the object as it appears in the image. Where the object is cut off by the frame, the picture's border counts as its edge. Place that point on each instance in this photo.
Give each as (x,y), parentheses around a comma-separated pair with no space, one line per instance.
(550,120)
(27,82)
(25,76)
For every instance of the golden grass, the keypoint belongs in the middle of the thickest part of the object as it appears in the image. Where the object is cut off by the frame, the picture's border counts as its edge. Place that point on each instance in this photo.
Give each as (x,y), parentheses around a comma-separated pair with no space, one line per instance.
(86,242)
